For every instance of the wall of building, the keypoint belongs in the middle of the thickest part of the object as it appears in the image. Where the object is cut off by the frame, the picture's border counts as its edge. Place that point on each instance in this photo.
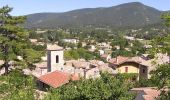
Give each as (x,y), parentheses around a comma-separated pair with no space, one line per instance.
(92,73)
(52,60)
(144,72)
(132,68)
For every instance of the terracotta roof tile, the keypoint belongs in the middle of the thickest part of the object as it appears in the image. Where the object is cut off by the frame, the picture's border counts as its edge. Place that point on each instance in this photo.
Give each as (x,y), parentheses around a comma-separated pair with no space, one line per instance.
(118,60)
(150,92)
(81,64)
(75,77)
(55,79)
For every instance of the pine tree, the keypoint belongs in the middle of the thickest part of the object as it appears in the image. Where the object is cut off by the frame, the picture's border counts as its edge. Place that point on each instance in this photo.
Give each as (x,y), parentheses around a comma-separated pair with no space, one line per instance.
(14,39)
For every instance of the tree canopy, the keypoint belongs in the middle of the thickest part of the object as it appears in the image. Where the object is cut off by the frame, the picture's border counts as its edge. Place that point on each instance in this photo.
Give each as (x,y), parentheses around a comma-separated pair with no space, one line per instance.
(14,40)
(105,88)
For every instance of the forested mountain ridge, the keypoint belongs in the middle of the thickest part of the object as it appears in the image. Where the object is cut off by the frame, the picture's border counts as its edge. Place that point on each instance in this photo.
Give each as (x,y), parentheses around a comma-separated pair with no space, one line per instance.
(129,14)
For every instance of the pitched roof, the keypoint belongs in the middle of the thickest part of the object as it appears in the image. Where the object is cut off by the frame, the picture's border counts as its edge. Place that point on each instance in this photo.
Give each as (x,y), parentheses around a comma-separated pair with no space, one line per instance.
(118,60)
(81,64)
(57,78)
(41,65)
(150,93)
(54,47)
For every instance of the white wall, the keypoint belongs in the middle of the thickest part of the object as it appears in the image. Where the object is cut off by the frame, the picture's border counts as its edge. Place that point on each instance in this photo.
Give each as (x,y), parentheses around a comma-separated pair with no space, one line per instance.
(52,60)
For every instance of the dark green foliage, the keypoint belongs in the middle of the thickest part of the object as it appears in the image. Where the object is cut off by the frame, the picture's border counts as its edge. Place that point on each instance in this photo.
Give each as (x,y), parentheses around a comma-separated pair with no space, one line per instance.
(137,48)
(127,76)
(39,47)
(119,40)
(14,40)
(166,17)
(79,53)
(145,82)
(161,75)
(122,53)
(105,88)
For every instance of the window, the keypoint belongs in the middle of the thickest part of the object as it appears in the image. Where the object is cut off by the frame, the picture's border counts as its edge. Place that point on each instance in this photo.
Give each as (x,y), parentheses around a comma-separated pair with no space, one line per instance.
(57,59)
(126,69)
(143,70)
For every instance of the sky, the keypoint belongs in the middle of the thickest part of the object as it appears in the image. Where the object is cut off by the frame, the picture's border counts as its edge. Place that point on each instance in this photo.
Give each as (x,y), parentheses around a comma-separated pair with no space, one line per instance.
(24,7)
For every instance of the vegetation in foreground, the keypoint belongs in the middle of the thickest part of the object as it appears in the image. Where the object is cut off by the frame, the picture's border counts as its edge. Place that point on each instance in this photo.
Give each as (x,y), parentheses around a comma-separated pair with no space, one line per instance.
(105,88)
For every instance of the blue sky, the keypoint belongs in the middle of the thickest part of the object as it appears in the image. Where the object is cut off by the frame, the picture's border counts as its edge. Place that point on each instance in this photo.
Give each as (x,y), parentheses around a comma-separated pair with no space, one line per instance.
(23,7)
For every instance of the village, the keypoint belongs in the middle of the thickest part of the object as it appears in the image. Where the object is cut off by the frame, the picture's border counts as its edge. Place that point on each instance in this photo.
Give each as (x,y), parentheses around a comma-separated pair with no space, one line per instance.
(54,70)
(116,52)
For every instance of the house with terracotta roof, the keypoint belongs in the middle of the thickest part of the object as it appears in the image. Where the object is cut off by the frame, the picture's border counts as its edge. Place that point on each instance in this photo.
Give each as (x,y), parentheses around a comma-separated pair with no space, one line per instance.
(106,57)
(89,69)
(139,64)
(129,65)
(55,79)
(84,69)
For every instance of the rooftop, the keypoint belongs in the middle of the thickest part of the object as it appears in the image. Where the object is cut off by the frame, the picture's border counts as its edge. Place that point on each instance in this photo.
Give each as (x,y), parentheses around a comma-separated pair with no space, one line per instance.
(146,93)
(57,78)
(41,65)
(54,47)
(118,60)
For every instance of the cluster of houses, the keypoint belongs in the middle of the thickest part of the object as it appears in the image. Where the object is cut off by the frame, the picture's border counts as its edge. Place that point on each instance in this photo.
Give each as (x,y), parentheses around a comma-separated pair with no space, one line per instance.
(54,68)
(54,71)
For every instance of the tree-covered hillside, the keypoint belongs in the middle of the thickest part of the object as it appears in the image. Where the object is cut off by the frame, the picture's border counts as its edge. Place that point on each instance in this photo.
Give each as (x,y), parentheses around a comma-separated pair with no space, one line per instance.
(130,14)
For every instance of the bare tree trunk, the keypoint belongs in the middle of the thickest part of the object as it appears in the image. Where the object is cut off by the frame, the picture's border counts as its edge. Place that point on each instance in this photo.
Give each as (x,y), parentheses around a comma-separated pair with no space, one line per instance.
(6,65)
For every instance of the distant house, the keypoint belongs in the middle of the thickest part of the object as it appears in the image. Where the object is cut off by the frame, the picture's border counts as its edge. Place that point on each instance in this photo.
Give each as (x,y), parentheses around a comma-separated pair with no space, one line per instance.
(101,52)
(140,65)
(117,47)
(106,57)
(147,46)
(84,44)
(33,40)
(129,38)
(74,41)
(103,67)
(36,42)
(85,70)
(41,68)
(104,45)
(92,48)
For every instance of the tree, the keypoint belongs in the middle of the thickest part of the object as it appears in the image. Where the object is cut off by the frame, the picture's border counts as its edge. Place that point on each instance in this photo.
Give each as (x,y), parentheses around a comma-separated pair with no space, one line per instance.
(17,86)
(13,38)
(166,18)
(161,76)
(105,88)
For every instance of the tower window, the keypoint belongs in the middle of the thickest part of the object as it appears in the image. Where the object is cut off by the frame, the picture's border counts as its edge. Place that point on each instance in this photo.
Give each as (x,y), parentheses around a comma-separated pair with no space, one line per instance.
(57,59)
(143,70)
